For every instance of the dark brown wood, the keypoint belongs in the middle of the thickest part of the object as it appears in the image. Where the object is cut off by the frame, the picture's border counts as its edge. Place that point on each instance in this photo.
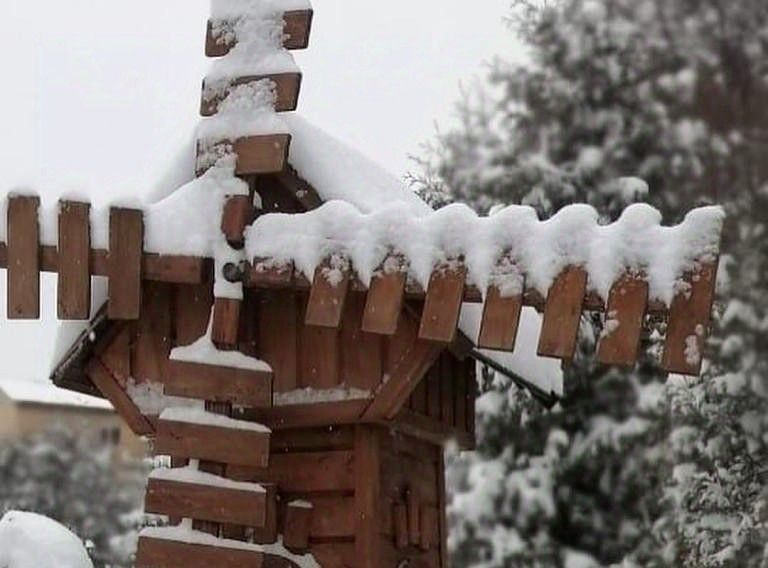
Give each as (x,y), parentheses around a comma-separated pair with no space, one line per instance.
(328,295)
(287,87)
(212,443)
(206,502)
(298,24)
(305,472)
(261,154)
(361,353)
(278,337)
(442,512)
(124,406)
(428,521)
(367,498)
(74,286)
(440,318)
(627,304)
(237,213)
(298,519)
(319,356)
(562,314)
(271,276)
(299,188)
(226,322)
(447,390)
(126,244)
(413,505)
(191,312)
(384,301)
(176,269)
(156,553)
(23,260)
(241,387)
(151,344)
(689,320)
(501,317)
(400,519)
(310,415)
(269,533)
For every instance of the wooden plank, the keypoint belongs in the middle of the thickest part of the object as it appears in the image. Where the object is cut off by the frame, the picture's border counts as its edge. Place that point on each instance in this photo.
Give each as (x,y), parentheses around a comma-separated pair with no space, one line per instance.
(400,520)
(241,387)
(367,498)
(689,320)
(429,526)
(23,260)
(206,502)
(447,389)
(157,553)
(384,301)
(298,24)
(120,400)
(328,295)
(442,307)
(278,315)
(627,304)
(298,519)
(287,88)
(261,154)
(152,342)
(212,443)
(269,533)
(562,314)
(319,357)
(413,506)
(126,243)
(191,312)
(226,322)
(305,472)
(114,352)
(433,393)
(460,396)
(310,415)
(362,353)
(237,214)
(74,285)
(176,269)
(501,317)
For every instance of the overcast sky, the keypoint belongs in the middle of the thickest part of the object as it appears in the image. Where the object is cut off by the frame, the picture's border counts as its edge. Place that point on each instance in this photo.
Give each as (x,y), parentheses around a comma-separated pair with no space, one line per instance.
(99,97)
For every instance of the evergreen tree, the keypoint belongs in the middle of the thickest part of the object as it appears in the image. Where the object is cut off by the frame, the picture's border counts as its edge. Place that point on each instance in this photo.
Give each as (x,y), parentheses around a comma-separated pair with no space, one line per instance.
(632,468)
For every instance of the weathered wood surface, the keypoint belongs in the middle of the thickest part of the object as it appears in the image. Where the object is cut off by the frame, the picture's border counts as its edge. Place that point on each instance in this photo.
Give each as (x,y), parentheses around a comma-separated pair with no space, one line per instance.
(126,245)
(226,321)
(23,260)
(384,301)
(328,295)
(74,286)
(296,526)
(627,304)
(562,314)
(106,382)
(261,154)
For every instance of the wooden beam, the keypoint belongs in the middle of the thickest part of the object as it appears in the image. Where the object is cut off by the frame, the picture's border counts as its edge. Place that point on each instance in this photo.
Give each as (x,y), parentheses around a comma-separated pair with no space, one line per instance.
(238,211)
(74,286)
(562,314)
(156,552)
(689,320)
(126,243)
(296,526)
(287,87)
(298,26)
(627,304)
(23,260)
(241,387)
(125,407)
(442,307)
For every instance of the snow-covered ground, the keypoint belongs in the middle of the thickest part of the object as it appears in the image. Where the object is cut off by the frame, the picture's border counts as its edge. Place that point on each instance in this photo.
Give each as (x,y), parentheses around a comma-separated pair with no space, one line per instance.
(29,540)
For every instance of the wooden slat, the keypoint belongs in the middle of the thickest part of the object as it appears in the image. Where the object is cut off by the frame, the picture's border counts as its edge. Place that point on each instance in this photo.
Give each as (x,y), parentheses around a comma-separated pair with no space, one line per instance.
(309,415)
(298,25)
(237,213)
(191,312)
(226,322)
(306,472)
(212,443)
(447,390)
(74,286)
(562,314)
(413,506)
(627,304)
(329,294)
(261,154)
(400,521)
(278,315)
(384,301)
(176,269)
(319,357)
(689,320)
(152,341)
(23,260)
(367,497)
(120,400)
(241,387)
(440,318)
(287,88)
(429,526)
(206,502)
(501,317)
(361,353)
(298,519)
(268,533)
(158,553)
(271,276)
(126,243)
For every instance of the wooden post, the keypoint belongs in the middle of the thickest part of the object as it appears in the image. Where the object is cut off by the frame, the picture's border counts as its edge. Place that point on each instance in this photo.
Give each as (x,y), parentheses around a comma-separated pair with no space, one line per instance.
(367,497)
(23,258)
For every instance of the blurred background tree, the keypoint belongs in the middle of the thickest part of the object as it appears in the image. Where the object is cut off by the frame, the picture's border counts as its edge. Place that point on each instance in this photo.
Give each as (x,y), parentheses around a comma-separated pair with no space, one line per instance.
(80,485)
(632,468)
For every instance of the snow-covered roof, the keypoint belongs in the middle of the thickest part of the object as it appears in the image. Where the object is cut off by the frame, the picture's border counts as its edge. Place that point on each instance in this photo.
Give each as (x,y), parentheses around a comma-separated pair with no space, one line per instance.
(44,393)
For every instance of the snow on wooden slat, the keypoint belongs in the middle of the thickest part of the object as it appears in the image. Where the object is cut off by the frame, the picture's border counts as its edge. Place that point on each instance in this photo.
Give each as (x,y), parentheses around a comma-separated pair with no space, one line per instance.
(440,318)
(74,285)
(385,298)
(298,26)
(689,320)
(23,260)
(627,305)
(328,294)
(261,154)
(501,318)
(562,314)
(287,88)
(126,244)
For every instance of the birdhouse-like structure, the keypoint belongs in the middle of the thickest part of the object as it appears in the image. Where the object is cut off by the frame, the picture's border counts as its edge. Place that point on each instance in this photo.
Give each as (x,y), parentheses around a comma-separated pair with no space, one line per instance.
(299,333)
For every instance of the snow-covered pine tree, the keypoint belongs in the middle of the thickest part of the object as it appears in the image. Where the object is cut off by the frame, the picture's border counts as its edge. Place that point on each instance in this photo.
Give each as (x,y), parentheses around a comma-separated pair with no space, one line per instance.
(632,467)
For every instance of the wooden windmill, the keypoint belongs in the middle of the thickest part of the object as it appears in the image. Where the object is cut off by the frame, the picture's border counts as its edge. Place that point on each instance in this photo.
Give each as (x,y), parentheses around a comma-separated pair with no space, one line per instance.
(305,402)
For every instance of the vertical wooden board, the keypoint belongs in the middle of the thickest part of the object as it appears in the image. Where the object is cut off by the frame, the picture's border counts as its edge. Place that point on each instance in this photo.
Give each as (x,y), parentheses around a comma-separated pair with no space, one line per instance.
(400,525)
(298,519)
(248,334)
(367,501)
(23,258)
(152,345)
(472,389)
(278,329)
(268,534)
(419,397)
(126,246)
(398,345)
(443,304)
(226,322)
(447,396)
(442,512)
(460,396)
(627,303)
(319,357)
(237,213)
(74,286)
(562,314)
(361,353)
(413,506)
(428,521)
(689,320)
(328,295)
(191,312)
(384,302)
(434,397)
(501,318)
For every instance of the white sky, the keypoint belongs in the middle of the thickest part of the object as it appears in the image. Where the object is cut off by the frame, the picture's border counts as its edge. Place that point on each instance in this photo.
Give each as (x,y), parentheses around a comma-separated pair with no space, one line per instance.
(99,96)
